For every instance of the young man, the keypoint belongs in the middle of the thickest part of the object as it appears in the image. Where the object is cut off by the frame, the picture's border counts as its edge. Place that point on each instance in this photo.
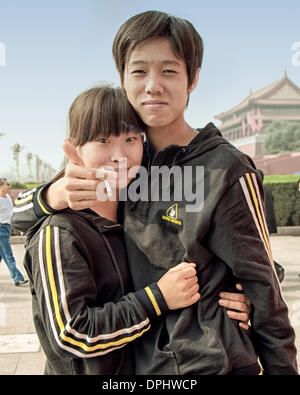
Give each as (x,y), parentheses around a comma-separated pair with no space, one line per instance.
(6,208)
(159,59)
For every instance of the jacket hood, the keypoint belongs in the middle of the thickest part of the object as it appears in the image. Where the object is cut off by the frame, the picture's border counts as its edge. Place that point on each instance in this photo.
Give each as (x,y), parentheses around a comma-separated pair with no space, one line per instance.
(207,139)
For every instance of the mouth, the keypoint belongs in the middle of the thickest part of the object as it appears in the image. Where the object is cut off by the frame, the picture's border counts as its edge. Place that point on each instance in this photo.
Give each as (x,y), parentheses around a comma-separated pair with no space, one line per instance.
(154,104)
(116,169)
(120,170)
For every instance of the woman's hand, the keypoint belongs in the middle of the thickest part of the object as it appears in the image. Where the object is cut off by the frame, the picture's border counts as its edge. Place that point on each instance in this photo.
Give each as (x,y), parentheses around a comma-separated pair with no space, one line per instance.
(179,286)
(237,301)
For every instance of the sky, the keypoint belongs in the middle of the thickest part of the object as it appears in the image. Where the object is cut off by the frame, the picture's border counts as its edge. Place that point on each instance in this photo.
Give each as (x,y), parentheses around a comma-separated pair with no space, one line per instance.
(55,50)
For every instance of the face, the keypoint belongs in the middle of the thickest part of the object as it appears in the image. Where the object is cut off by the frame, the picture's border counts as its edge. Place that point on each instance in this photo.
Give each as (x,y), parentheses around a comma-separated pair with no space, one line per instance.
(5,187)
(156,83)
(119,154)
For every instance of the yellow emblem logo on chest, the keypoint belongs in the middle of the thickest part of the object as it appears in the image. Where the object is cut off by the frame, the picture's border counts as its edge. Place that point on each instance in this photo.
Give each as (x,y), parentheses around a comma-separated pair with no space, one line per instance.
(171,215)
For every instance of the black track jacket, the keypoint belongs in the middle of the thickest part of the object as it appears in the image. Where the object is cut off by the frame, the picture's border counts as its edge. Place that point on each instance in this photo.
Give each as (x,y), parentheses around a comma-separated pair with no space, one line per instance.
(83,308)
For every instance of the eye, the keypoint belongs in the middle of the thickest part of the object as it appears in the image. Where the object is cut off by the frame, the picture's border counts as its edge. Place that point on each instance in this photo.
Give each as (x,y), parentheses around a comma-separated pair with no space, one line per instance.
(131,139)
(169,71)
(138,72)
(102,140)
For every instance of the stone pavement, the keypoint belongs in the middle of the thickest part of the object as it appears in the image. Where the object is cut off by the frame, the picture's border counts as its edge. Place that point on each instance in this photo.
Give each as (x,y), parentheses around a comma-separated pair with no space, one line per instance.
(16,320)
(20,352)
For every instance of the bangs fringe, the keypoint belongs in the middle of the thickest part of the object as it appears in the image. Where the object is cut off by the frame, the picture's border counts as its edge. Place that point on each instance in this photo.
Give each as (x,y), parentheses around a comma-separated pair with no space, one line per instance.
(102,111)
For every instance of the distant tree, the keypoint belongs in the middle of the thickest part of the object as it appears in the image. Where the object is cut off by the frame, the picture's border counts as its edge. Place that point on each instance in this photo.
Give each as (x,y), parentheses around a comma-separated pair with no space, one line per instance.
(281,137)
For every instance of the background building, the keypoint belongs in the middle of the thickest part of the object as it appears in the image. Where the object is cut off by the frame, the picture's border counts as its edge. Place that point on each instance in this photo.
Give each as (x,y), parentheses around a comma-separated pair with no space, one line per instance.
(244,125)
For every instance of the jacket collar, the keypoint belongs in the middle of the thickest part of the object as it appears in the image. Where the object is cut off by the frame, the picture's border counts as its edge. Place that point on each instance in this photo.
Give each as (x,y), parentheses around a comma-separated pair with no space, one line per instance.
(100,223)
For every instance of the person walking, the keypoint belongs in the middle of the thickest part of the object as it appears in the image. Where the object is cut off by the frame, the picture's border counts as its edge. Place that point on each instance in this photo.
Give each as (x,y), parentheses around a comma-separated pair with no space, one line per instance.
(6,208)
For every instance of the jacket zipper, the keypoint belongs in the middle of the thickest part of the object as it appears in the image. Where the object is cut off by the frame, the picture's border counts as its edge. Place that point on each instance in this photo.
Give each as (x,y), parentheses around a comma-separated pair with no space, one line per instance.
(113,257)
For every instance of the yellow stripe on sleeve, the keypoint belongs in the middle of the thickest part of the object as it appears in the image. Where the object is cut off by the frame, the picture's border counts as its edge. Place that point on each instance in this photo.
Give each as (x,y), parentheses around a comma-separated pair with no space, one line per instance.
(153,301)
(40,203)
(52,280)
(266,238)
(21,201)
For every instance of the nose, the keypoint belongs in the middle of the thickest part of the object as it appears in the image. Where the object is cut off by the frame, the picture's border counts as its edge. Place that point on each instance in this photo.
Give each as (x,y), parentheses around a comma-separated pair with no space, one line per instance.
(117,153)
(153,84)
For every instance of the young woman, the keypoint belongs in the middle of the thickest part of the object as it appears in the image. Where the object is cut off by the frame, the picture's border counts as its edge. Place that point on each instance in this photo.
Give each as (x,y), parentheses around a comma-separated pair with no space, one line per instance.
(84,312)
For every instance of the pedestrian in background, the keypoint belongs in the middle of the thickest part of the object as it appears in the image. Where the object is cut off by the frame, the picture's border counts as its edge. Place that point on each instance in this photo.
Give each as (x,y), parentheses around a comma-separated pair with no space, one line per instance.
(6,208)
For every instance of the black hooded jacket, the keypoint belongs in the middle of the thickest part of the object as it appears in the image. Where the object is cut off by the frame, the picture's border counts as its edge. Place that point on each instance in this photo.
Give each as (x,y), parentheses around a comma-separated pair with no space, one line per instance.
(225,233)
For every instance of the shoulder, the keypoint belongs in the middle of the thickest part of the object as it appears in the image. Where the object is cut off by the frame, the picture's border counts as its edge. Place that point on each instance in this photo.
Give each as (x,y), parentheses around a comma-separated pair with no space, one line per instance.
(217,152)
(233,156)
(224,159)
(72,223)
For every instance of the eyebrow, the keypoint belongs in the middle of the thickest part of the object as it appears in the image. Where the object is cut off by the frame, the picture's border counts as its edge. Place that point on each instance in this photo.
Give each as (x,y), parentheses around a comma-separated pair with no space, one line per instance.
(164,62)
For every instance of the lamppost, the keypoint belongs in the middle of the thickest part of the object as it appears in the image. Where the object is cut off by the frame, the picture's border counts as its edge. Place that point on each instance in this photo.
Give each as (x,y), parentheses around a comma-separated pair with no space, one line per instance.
(38,163)
(16,149)
(29,159)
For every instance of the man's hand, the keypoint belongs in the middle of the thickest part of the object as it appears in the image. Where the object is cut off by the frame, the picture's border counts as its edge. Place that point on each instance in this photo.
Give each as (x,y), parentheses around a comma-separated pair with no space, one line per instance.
(237,301)
(77,189)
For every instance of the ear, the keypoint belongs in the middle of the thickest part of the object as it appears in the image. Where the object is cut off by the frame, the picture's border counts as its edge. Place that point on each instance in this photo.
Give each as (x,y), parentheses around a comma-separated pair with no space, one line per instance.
(195,82)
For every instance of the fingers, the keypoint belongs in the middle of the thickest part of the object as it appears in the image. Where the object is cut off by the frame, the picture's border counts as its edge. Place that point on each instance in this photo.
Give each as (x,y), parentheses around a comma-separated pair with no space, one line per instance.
(239,302)
(234,305)
(183,265)
(244,322)
(232,296)
(193,299)
(187,276)
(235,301)
(239,287)
(71,153)
(74,170)
(244,326)
(243,317)
(82,205)
(192,296)
(194,289)
(80,183)
(189,273)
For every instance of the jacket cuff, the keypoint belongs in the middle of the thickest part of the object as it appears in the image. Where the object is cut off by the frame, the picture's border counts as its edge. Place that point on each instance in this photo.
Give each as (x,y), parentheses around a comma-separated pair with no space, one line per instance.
(152,300)
(41,208)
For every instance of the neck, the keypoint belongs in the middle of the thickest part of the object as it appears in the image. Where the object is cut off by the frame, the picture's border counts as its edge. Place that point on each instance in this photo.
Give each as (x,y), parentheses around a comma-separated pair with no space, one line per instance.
(2,194)
(176,134)
(107,209)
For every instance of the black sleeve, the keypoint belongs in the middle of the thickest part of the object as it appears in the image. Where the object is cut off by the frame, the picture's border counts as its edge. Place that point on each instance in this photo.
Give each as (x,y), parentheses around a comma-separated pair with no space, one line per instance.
(245,247)
(29,207)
